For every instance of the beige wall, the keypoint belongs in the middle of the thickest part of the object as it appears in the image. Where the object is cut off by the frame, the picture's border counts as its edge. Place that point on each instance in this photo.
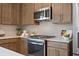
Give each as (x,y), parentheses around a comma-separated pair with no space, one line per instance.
(9,30)
(47,28)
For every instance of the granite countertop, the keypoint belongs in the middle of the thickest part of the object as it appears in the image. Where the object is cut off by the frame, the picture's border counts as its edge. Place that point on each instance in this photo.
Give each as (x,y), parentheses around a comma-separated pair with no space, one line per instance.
(58,39)
(7,52)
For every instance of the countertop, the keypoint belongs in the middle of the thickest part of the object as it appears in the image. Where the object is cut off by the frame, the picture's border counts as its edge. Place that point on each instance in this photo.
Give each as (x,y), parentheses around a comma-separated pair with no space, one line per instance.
(57,38)
(7,52)
(8,37)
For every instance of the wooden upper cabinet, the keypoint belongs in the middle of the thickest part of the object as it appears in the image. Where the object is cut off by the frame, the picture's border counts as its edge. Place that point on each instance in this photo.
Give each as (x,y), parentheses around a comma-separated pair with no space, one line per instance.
(0,14)
(45,5)
(66,12)
(10,14)
(56,12)
(37,6)
(16,13)
(61,13)
(41,5)
(27,11)
(6,13)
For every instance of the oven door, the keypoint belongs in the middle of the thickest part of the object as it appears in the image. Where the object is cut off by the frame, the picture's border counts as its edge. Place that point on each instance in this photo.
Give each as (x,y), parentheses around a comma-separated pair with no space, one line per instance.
(35,48)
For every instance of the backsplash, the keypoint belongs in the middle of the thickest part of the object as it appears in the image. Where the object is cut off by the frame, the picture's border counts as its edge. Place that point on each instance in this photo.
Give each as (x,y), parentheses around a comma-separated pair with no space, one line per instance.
(47,28)
(9,30)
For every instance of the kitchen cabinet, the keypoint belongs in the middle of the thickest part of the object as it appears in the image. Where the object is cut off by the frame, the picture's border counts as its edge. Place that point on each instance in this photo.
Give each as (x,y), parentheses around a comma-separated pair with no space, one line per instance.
(58,49)
(15,44)
(61,13)
(23,46)
(6,13)
(10,14)
(41,5)
(56,12)
(9,44)
(67,13)
(51,51)
(57,52)
(16,14)
(37,6)
(27,11)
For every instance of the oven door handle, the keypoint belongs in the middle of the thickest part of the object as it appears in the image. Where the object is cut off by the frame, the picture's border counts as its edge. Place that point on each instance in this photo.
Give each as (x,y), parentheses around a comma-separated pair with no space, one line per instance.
(37,43)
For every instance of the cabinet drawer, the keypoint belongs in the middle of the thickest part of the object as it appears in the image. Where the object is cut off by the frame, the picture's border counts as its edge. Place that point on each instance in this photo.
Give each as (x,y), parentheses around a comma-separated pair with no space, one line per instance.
(2,41)
(58,45)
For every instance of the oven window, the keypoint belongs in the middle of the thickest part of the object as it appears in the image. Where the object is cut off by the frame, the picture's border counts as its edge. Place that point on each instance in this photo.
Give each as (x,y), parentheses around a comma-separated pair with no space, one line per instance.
(35,48)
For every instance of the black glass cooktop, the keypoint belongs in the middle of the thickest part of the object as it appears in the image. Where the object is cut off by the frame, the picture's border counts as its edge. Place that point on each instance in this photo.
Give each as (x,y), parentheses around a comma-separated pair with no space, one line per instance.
(41,36)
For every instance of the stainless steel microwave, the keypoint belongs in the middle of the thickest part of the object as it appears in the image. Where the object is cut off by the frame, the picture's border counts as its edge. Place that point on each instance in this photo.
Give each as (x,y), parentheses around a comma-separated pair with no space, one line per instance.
(43,14)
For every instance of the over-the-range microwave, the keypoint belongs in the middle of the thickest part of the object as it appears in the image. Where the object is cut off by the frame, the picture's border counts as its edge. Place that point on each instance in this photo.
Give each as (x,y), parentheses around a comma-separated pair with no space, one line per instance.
(43,14)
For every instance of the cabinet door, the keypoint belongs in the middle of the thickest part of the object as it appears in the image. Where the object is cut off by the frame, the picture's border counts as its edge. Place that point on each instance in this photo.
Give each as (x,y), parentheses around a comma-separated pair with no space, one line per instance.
(43,5)
(63,52)
(16,14)
(56,12)
(16,44)
(66,10)
(11,46)
(37,6)
(23,46)
(27,13)
(6,13)
(56,52)
(52,51)
(0,13)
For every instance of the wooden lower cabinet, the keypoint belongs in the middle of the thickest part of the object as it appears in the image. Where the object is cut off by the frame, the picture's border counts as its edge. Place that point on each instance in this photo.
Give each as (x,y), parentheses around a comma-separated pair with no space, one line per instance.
(11,46)
(58,49)
(51,51)
(63,52)
(56,52)
(14,44)
(23,46)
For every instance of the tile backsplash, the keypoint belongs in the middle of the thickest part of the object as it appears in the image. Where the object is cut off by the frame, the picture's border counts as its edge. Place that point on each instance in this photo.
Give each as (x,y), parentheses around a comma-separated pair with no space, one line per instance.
(9,30)
(48,28)
(45,28)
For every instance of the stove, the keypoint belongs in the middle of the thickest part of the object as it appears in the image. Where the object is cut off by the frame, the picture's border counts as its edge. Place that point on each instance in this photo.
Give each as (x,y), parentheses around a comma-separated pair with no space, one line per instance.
(41,37)
(36,44)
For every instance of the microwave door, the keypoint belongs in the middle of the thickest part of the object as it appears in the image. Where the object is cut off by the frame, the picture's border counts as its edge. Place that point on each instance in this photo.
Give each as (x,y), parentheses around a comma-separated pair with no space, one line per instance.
(42,13)
(47,13)
(36,15)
